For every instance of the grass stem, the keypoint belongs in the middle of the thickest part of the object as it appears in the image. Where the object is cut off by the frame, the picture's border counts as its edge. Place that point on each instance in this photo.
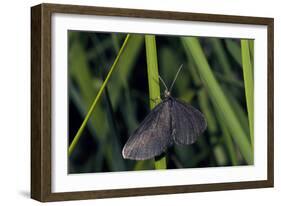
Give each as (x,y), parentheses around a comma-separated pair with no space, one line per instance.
(153,83)
(249,83)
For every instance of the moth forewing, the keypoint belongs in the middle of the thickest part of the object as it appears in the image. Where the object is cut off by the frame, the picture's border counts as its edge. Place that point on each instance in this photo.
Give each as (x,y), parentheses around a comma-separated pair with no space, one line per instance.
(152,137)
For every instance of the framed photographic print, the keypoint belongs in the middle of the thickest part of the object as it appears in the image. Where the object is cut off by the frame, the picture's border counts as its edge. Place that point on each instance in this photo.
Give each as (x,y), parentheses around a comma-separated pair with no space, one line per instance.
(135,102)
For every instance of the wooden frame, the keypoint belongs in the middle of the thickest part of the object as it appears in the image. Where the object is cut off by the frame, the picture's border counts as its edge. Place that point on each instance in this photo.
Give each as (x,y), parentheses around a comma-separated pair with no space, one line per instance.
(41,101)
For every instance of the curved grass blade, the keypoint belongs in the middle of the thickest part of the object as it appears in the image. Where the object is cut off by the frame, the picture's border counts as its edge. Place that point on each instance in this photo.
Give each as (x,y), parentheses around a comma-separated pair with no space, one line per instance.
(234,50)
(83,125)
(251,47)
(233,81)
(249,83)
(117,163)
(125,67)
(228,141)
(239,111)
(221,56)
(153,83)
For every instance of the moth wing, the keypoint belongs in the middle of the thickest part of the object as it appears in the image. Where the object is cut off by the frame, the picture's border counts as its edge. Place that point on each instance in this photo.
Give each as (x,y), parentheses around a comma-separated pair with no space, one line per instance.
(188,123)
(153,135)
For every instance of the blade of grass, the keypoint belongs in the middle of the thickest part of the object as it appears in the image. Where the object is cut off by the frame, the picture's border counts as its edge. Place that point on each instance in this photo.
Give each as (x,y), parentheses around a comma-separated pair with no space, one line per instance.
(208,113)
(224,64)
(125,67)
(117,162)
(228,141)
(144,165)
(116,86)
(251,47)
(99,48)
(210,117)
(82,127)
(115,42)
(118,83)
(212,124)
(153,83)
(249,84)
(129,110)
(204,106)
(229,81)
(221,56)
(218,97)
(234,49)
(239,111)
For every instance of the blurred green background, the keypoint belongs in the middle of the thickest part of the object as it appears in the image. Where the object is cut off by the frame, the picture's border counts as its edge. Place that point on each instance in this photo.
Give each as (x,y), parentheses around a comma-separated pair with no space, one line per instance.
(216,73)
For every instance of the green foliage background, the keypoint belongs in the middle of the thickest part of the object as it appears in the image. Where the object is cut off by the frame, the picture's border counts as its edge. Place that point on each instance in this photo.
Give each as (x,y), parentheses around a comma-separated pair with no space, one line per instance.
(217,79)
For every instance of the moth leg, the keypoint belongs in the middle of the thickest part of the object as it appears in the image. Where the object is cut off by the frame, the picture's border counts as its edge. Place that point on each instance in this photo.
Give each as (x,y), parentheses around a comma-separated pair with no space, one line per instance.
(155,100)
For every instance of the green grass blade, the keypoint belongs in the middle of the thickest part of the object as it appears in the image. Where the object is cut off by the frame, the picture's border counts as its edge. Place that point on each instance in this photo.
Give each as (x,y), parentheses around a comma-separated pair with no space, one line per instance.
(82,127)
(239,111)
(251,47)
(144,165)
(115,42)
(249,84)
(125,67)
(153,83)
(221,56)
(218,97)
(78,101)
(229,81)
(114,143)
(209,114)
(234,50)
(212,125)
(97,51)
(152,70)
(228,140)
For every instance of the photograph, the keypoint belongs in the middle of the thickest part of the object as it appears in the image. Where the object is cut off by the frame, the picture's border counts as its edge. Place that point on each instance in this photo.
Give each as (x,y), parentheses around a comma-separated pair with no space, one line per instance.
(144,102)
(132,102)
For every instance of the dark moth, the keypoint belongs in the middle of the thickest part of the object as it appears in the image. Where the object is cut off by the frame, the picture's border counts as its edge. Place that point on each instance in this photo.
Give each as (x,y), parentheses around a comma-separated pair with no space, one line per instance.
(171,121)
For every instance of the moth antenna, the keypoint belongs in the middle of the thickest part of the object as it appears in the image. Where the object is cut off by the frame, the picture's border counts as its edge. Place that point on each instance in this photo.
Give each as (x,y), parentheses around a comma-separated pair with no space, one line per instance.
(163,82)
(175,78)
